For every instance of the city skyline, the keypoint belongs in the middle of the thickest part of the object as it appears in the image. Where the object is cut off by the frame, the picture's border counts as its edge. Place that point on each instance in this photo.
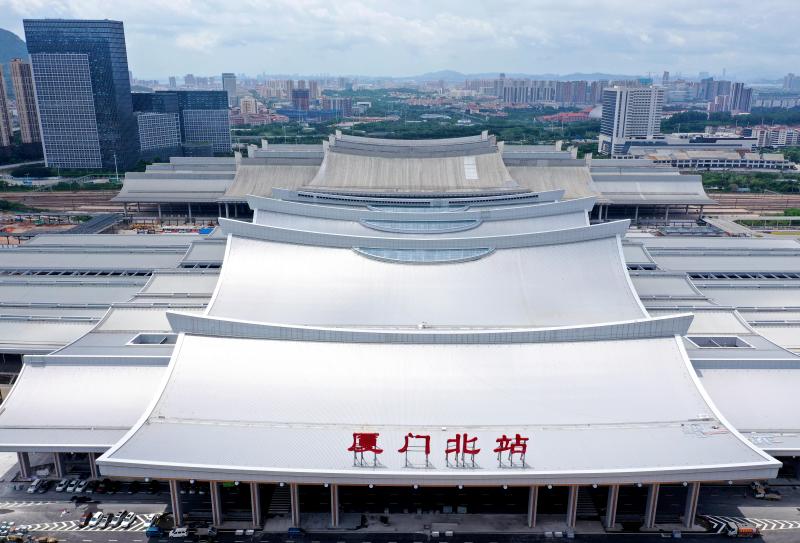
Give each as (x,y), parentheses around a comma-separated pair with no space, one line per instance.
(381,39)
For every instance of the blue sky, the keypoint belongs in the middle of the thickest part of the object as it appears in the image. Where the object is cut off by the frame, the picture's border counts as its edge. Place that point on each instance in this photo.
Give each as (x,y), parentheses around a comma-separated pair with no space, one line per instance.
(173,37)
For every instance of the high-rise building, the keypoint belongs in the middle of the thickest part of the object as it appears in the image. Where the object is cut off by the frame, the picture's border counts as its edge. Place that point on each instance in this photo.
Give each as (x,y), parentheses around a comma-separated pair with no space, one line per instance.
(202,118)
(189,80)
(173,84)
(22,79)
(629,113)
(341,104)
(300,99)
(248,105)
(313,88)
(741,97)
(205,119)
(665,78)
(229,86)
(83,93)
(6,130)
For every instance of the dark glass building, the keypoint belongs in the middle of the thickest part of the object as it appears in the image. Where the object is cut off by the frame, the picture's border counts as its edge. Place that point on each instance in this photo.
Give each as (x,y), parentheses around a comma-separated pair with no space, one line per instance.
(80,69)
(203,118)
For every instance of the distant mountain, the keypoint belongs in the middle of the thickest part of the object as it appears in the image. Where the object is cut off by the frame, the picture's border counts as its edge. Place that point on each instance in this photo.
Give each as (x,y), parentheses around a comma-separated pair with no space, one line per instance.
(11,47)
(452,76)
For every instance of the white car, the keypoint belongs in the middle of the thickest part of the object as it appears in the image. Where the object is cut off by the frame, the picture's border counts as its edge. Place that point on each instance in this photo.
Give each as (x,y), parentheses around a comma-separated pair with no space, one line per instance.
(82,484)
(95,520)
(179,533)
(118,518)
(62,485)
(128,520)
(73,484)
(34,486)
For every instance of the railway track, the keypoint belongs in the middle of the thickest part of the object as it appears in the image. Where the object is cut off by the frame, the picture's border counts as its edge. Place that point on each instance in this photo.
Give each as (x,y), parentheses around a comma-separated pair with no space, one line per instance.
(752,203)
(89,201)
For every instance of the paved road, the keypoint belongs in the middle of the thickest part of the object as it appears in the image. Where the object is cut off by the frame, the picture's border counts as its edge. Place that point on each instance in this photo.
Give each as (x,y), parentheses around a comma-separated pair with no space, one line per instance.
(53,514)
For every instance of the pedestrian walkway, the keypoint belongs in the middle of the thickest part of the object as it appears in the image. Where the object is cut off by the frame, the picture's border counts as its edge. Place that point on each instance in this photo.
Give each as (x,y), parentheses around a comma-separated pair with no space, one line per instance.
(719,523)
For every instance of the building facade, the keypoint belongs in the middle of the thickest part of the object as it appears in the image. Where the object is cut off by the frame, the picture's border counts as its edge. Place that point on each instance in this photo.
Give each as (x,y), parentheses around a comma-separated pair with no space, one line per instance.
(80,69)
(202,118)
(300,99)
(22,79)
(6,130)
(229,86)
(159,134)
(630,113)
(248,105)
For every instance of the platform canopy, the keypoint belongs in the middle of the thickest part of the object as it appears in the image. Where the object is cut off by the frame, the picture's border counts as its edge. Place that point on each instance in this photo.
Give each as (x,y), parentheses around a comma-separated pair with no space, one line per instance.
(413,174)
(82,406)
(477,286)
(615,411)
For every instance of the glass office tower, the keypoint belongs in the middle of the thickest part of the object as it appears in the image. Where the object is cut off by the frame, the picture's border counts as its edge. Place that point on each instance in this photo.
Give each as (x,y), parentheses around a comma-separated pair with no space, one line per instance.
(80,70)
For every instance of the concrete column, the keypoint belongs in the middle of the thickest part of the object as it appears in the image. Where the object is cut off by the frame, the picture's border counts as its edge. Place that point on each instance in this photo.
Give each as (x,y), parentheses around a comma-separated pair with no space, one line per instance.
(636,216)
(334,506)
(533,502)
(94,474)
(572,506)
(24,461)
(690,511)
(652,506)
(59,466)
(666,216)
(701,211)
(189,206)
(611,507)
(216,503)
(175,500)
(255,504)
(219,209)
(159,212)
(227,211)
(236,210)
(294,496)
(138,207)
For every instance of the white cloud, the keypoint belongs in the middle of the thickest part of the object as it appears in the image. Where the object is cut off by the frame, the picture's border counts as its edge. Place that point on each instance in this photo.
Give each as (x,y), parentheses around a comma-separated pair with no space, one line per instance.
(412,36)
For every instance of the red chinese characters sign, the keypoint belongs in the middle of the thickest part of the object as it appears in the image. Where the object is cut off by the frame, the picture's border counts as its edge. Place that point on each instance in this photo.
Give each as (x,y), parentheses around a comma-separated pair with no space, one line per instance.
(460,450)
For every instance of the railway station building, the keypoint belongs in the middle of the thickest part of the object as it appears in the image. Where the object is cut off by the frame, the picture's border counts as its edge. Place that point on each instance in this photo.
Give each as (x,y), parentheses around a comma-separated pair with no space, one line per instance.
(413,336)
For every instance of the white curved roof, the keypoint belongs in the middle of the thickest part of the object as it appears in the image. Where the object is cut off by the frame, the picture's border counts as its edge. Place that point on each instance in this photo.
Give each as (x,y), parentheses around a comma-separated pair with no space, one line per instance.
(84,406)
(274,282)
(434,227)
(634,404)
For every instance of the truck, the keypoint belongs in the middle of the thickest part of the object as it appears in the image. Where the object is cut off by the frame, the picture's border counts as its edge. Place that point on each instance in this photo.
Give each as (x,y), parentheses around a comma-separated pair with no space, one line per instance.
(741,530)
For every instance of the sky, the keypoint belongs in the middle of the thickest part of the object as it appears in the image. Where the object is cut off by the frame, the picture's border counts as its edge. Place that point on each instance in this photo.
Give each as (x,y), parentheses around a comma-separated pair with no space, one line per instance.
(408,37)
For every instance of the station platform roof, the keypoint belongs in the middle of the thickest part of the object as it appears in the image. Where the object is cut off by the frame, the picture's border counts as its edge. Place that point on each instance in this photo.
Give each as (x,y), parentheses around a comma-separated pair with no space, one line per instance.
(594,412)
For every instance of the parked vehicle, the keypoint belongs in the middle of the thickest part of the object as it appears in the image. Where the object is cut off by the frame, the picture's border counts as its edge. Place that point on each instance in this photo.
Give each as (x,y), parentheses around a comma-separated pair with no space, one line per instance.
(44,487)
(5,528)
(102,486)
(96,518)
(176,533)
(91,487)
(106,520)
(85,518)
(128,520)
(34,486)
(118,518)
(741,530)
(73,484)
(62,485)
(82,485)
(154,487)
(135,487)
